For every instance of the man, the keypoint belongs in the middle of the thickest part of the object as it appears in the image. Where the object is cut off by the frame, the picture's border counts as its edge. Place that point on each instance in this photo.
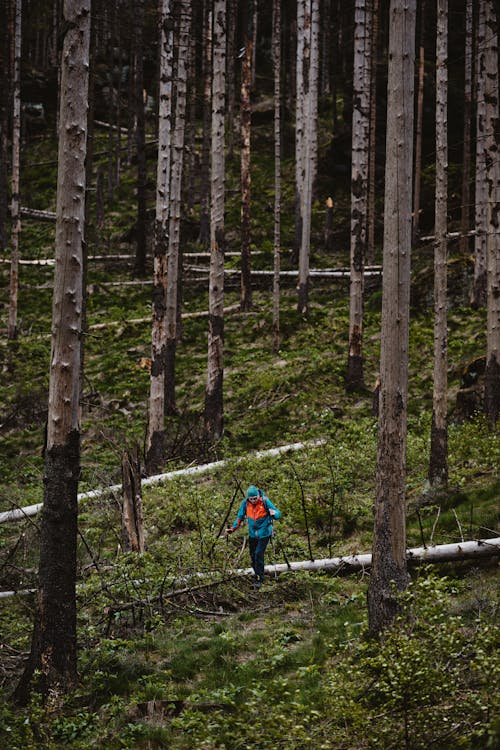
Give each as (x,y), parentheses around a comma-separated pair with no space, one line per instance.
(259,512)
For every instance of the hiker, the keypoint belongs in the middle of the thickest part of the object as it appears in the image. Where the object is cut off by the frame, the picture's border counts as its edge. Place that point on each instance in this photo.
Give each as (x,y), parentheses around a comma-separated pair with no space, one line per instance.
(259,512)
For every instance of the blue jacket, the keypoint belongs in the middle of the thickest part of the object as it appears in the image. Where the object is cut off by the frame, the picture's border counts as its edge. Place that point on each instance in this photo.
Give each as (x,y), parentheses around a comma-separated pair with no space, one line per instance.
(260,523)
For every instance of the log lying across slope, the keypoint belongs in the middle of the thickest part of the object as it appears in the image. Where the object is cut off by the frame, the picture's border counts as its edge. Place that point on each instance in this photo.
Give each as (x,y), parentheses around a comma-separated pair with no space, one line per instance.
(480,548)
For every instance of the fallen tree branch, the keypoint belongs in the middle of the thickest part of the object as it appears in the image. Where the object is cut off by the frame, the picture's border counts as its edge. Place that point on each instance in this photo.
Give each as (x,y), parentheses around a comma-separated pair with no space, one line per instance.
(17,514)
(472,550)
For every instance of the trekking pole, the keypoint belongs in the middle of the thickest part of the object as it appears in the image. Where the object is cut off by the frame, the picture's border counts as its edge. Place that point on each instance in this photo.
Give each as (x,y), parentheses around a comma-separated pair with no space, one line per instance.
(284,554)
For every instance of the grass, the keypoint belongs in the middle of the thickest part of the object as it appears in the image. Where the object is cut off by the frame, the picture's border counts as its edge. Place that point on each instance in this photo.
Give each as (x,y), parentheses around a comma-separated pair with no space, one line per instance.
(291,667)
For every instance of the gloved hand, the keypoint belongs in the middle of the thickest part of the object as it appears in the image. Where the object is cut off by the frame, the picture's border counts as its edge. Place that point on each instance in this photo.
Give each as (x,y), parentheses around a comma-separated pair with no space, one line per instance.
(229,530)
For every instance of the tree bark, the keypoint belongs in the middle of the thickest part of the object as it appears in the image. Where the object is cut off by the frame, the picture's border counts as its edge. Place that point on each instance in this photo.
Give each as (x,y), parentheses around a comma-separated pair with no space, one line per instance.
(438,465)
(418,130)
(132,516)
(372,154)
(481,203)
(389,574)
(359,187)
(15,198)
(276,46)
(245,174)
(53,649)
(155,451)
(214,411)
(466,159)
(204,236)
(140,260)
(492,154)
(4,123)
(173,255)
(310,71)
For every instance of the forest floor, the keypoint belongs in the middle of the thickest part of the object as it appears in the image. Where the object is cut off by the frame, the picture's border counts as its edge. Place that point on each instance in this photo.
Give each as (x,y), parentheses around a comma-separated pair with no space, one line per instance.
(165,662)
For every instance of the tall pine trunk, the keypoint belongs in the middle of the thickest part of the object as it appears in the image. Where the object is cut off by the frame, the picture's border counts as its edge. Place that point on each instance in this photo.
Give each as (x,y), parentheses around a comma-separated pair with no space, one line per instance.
(52,660)
(492,152)
(204,235)
(438,465)
(466,159)
(481,201)
(359,186)
(155,450)
(389,572)
(277,171)
(140,137)
(420,116)
(245,175)
(214,410)
(15,199)
(173,254)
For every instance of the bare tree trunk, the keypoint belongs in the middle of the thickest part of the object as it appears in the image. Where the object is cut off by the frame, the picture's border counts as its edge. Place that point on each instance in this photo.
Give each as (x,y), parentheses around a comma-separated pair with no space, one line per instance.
(438,465)
(52,661)
(389,574)
(214,411)
(492,152)
(276,46)
(175,204)
(372,154)
(155,450)
(4,124)
(232,12)
(140,135)
(204,236)
(300,98)
(309,146)
(359,187)
(466,160)
(15,199)
(418,133)
(132,516)
(245,175)
(479,289)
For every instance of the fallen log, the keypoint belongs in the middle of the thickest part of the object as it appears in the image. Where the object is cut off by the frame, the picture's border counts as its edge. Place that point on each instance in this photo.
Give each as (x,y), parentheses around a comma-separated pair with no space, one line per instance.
(471,550)
(36,213)
(18,514)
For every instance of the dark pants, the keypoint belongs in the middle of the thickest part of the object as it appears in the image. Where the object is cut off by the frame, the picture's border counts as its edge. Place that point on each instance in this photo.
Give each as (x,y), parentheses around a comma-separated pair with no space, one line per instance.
(257,549)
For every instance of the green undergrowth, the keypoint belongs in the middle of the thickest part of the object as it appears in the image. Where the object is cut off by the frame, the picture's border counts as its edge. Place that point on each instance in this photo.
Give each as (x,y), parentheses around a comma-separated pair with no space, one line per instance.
(172,658)
(289,667)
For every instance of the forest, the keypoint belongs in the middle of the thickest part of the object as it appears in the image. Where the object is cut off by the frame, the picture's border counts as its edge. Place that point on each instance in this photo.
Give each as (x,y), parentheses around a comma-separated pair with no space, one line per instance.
(250,269)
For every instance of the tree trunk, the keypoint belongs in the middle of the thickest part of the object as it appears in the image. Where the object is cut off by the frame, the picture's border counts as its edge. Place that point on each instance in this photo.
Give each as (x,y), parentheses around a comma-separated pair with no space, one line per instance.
(140,258)
(4,124)
(15,199)
(173,255)
(309,145)
(132,517)
(52,661)
(492,152)
(438,465)
(466,160)
(232,12)
(481,210)
(245,175)
(214,420)
(155,451)
(276,46)
(300,98)
(372,155)
(389,575)
(418,133)
(204,236)
(359,187)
